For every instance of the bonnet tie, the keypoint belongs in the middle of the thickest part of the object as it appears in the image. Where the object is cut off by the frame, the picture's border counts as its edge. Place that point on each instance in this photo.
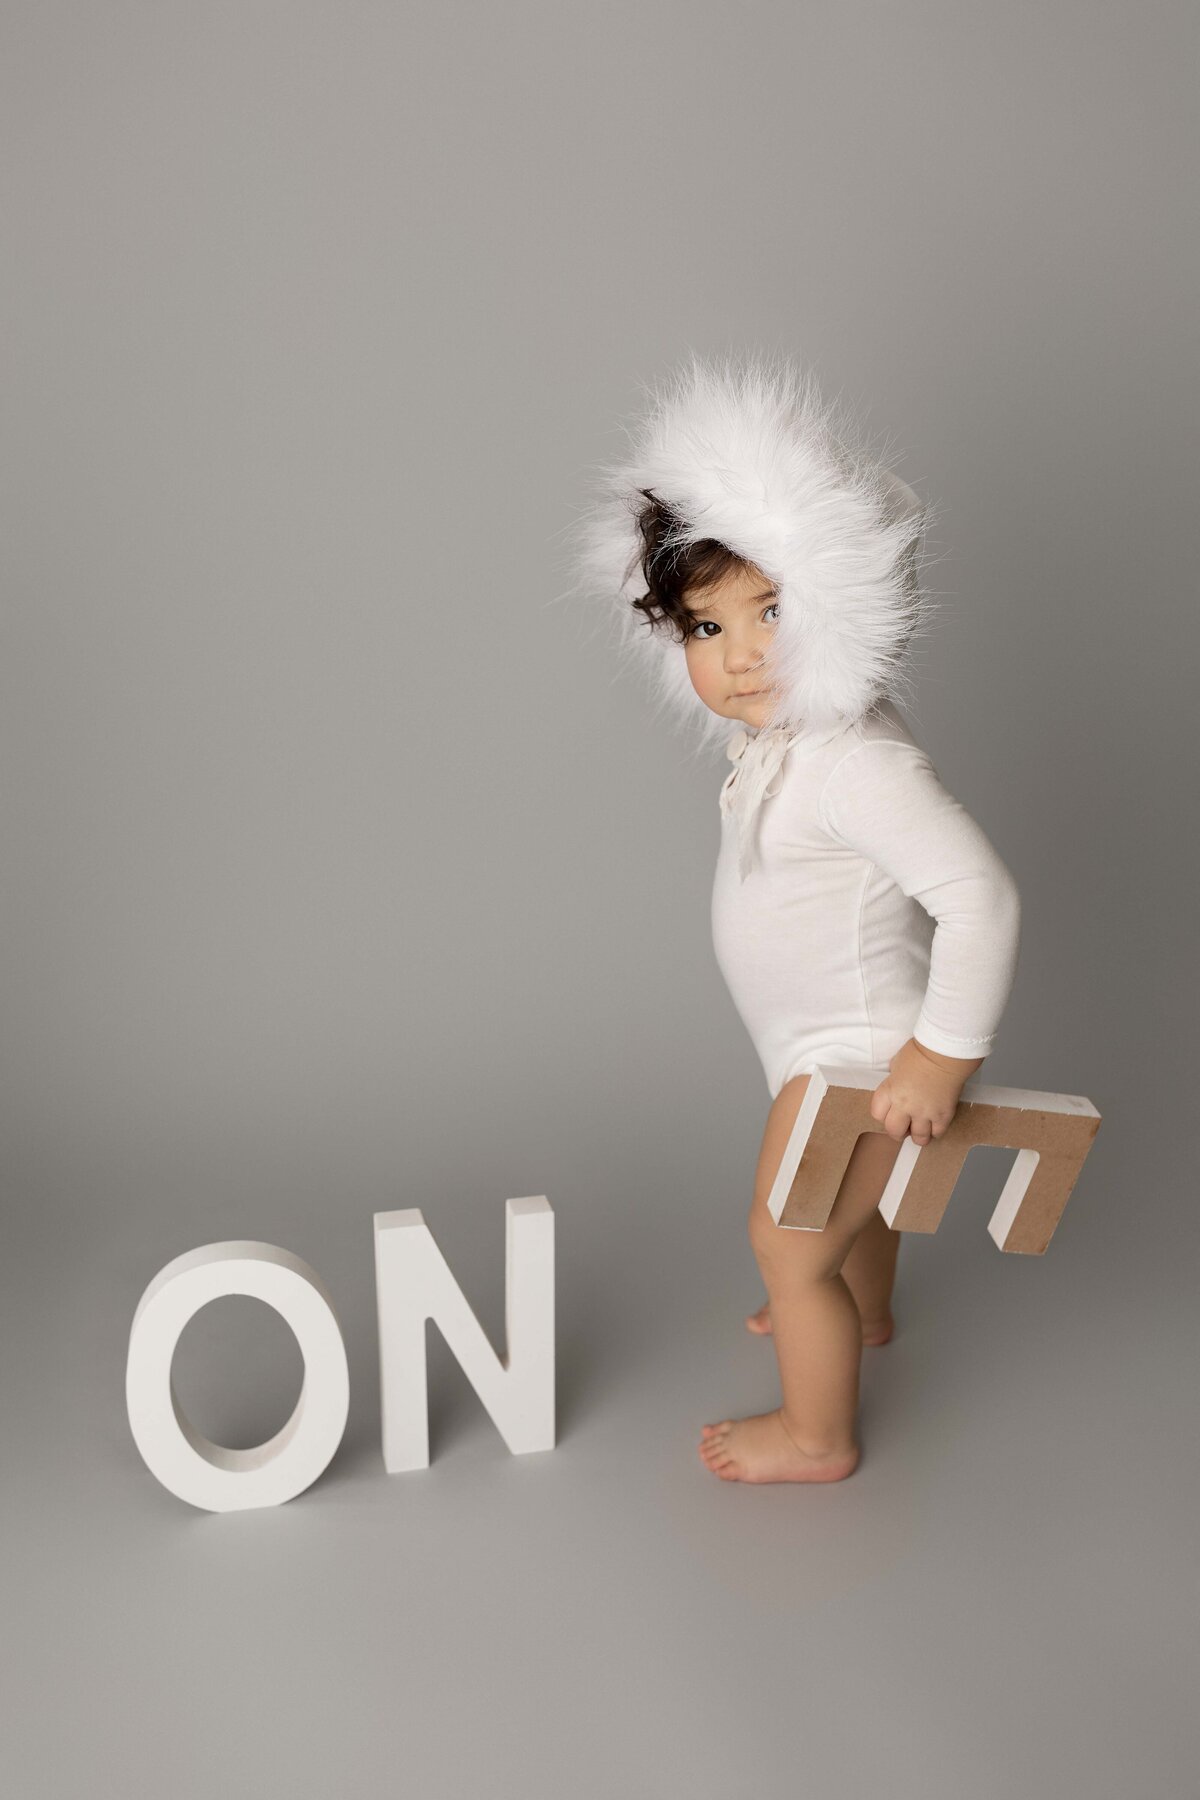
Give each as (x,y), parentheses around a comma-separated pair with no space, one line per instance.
(759,761)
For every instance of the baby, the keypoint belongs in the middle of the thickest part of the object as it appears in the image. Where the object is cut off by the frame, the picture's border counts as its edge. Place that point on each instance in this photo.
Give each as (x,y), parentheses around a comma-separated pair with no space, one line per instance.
(860,915)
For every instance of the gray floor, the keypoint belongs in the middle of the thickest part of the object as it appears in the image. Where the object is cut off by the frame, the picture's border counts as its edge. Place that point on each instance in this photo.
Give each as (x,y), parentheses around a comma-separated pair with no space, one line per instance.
(1001,1601)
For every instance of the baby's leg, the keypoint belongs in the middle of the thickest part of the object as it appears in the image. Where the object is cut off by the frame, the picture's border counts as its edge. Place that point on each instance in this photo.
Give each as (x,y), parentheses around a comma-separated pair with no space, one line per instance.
(817,1328)
(869,1271)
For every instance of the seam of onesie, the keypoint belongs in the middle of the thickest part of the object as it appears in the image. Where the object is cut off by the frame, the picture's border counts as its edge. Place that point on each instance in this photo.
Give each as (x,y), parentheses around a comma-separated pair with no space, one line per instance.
(862,969)
(867,744)
(823,815)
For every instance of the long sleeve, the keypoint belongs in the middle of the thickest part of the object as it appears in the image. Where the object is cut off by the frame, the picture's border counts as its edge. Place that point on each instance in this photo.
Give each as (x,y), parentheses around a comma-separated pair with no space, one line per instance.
(884,801)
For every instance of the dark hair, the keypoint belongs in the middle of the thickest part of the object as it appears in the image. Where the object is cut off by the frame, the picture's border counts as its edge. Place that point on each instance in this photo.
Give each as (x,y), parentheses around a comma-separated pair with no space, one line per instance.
(671,569)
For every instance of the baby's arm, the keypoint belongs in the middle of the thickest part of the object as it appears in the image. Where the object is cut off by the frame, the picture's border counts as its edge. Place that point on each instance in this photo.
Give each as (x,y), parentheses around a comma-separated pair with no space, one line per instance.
(885,801)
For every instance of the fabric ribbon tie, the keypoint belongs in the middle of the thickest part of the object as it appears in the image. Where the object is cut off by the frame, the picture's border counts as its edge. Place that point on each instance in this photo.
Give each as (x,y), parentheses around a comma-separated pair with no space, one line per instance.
(759,762)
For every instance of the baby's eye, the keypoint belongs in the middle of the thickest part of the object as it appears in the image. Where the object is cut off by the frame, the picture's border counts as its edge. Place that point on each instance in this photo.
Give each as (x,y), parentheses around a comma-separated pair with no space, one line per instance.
(699,626)
(773,608)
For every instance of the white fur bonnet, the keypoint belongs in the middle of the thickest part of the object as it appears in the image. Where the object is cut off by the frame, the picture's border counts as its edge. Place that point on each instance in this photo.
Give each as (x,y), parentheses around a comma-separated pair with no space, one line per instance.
(744,451)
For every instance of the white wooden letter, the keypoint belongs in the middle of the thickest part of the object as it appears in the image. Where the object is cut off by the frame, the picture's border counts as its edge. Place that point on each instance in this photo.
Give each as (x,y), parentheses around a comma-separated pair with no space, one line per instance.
(206,1474)
(1051,1133)
(413,1283)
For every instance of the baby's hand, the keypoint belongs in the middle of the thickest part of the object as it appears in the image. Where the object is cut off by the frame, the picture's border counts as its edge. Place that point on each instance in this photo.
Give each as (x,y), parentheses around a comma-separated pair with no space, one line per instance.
(921,1093)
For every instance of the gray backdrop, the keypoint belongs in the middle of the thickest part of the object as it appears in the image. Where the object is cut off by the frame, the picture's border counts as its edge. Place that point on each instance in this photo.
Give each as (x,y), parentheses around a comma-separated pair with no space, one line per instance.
(342,873)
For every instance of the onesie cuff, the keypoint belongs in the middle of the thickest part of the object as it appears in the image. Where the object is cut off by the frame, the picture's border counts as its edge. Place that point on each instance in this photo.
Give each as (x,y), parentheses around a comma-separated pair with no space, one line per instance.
(964,1047)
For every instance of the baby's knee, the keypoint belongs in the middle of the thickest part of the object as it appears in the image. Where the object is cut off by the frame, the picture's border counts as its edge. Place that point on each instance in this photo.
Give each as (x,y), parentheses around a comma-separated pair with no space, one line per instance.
(788,1256)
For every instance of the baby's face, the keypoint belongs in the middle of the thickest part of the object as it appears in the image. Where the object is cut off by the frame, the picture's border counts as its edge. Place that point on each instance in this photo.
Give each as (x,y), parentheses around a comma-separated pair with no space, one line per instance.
(732,625)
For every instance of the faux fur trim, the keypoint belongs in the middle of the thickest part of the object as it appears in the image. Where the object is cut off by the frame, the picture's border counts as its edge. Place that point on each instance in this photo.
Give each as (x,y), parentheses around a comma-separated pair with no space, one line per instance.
(745,451)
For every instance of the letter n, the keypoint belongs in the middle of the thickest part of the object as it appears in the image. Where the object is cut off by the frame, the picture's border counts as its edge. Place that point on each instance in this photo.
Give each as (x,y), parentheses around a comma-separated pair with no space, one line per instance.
(413,1283)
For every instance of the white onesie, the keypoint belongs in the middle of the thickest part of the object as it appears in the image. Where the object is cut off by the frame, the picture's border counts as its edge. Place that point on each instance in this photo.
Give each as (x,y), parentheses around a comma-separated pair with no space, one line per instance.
(857,903)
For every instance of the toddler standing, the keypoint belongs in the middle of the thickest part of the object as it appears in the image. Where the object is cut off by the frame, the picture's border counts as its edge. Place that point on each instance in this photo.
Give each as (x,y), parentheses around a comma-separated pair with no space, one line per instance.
(766,570)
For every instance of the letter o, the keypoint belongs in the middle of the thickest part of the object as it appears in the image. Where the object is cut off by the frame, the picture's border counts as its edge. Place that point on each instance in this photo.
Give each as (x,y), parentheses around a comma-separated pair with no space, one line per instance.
(206,1474)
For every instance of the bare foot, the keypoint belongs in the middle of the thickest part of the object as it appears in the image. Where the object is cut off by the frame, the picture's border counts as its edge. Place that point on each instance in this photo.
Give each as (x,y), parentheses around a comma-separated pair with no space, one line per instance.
(879,1331)
(761,1449)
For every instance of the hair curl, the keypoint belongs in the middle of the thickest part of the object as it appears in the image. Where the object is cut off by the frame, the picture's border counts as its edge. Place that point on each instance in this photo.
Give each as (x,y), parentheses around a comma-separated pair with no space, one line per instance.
(672,569)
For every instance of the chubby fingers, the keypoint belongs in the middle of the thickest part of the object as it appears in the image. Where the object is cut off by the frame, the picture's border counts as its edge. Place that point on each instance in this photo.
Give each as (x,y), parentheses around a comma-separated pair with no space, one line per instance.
(897,1123)
(925,1130)
(884,1110)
